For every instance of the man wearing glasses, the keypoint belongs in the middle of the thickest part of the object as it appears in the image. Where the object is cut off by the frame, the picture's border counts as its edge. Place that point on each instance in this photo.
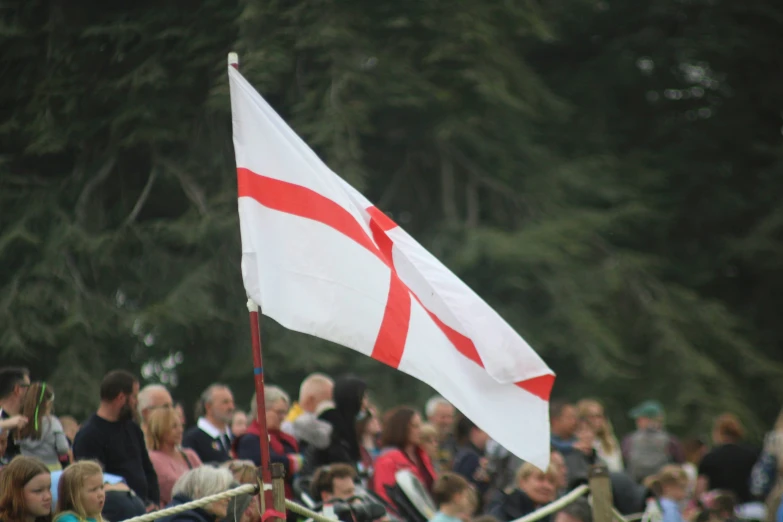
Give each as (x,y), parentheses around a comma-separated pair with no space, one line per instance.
(13,385)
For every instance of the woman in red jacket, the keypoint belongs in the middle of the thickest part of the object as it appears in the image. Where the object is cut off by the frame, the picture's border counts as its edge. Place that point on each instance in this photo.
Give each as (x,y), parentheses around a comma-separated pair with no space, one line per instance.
(402,450)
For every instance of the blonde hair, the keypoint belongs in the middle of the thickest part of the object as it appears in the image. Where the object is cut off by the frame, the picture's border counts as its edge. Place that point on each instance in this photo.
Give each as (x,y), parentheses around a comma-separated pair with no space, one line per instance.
(244,471)
(428,433)
(527,469)
(69,491)
(160,422)
(605,436)
(669,475)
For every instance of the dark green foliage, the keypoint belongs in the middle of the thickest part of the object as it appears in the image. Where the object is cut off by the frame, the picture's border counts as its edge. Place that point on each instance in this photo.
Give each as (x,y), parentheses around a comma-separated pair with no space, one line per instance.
(607,176)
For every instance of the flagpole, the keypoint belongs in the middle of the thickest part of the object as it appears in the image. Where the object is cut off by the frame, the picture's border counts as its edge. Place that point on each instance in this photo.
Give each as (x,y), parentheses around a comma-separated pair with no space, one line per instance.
(258,377)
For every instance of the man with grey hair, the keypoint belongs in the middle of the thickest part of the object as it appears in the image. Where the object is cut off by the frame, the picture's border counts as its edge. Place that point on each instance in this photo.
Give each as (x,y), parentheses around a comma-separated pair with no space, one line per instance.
(283,448)
(440,413)
(211,437)
(315,397)
(152,397)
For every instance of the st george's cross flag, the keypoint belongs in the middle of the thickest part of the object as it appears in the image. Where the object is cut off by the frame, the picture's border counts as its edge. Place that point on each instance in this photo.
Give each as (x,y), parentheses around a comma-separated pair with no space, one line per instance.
(319,258)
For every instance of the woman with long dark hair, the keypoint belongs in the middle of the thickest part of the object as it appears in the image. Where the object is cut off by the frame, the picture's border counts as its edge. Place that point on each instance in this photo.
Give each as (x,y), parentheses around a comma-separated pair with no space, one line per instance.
(25,491)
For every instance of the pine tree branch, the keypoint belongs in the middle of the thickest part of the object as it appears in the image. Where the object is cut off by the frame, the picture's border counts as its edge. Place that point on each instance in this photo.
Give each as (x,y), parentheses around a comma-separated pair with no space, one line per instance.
(103,173)
(189,187)
(142,197)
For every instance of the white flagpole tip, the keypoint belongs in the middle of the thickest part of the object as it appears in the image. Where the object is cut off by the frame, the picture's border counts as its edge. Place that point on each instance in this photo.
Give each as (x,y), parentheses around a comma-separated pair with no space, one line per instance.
(233,60)
(252,306)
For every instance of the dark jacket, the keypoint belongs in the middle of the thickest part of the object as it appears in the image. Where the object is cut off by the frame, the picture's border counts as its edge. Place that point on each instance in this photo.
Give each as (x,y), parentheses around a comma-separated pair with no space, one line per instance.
(344,444)
(514,505)
(193,515)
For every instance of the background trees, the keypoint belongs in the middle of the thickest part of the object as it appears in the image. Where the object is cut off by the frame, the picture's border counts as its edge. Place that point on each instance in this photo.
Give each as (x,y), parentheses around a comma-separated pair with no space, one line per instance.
(606,175)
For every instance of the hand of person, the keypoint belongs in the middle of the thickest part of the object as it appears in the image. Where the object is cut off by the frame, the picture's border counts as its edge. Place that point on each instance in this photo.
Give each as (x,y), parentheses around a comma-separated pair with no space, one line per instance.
(15,422)
(151,508)
(584,446)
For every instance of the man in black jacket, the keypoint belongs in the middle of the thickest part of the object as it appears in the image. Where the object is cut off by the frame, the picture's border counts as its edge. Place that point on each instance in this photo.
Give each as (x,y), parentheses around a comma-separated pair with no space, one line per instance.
(112,437)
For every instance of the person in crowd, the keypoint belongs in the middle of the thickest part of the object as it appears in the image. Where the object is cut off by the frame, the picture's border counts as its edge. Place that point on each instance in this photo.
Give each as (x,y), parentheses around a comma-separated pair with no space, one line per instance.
(452,496)
(535,488)
(350,407)
(766,481)
(43,436)
(369,429)
(333,483)
(70,427)
(440,413)
(81,494)
(111,437)
(401,443)
(283,448)
(181,412)
(197,483)
(25,491)
(694,450)
(430,442)
(211,438)
(502,466)
(315,396)
(470,460)
(169,458)
(650,447)
(245,472)
(559,469)
(562,419)
(583,455)
(606,444)
(577,511)
(729,464)
(13,385)
(151,398)
(670,487)
(239,424)
(3,447)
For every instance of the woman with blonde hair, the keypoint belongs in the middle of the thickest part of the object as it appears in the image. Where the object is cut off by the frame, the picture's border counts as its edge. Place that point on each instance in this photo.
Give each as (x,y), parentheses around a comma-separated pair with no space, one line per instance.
(535,488)
(168,457)
(80,494)
(25,491)
(606,445)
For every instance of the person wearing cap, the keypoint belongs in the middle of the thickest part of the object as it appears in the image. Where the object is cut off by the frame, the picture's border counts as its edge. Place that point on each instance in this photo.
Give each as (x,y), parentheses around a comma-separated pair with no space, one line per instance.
(650,447)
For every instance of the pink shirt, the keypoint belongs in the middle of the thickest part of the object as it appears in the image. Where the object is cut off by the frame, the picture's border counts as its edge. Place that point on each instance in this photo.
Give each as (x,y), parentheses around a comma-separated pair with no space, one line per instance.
(170,469)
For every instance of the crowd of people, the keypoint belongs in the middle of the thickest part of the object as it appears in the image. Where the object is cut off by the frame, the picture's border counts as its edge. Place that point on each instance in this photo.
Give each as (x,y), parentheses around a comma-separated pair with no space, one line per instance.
(135,455)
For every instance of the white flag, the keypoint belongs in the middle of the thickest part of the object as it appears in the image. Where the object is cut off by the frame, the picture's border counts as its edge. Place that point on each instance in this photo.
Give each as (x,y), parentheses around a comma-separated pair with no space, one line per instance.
(321,259)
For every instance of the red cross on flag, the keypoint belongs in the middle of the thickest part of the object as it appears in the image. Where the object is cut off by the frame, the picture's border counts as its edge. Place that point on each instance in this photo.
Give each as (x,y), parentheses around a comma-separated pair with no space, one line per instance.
(320,259)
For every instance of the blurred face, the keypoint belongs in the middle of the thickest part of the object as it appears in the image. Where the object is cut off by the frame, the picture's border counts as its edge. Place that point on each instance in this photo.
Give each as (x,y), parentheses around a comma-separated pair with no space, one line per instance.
(585,434)
(539,487)
(221,407)
(38,495)
(414,430)
(565,425)
(557,462)
(275,415)
(180,413)
(596,418)
(443,418)
(430,446)
(479,438)
(678,491)
(93,495)
(239,424)
(174,434)
(373,425)
(343,488)
(129,403)
(158,399)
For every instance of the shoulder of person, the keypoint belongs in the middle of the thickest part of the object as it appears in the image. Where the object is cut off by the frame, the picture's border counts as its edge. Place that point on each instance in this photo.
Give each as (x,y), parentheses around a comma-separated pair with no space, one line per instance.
(66,517)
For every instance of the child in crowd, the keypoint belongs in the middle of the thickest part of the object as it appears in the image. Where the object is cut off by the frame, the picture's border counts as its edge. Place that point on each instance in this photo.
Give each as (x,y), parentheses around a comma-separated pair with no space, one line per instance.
(43,437)
(454,497)
(670,486)
(81,495)
(25,491)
